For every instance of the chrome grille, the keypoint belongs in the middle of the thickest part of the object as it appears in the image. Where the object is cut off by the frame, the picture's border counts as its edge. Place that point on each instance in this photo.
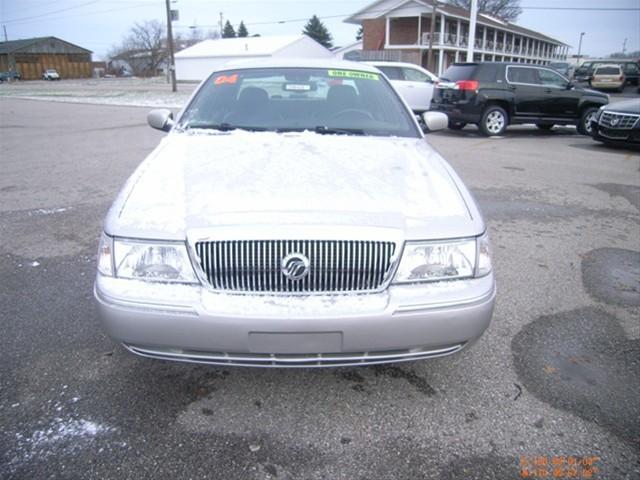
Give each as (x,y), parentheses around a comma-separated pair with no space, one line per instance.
(619,121)
(334,265)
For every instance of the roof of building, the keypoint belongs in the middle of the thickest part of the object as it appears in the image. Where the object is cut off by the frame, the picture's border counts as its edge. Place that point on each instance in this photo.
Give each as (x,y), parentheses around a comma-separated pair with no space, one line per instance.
(243,46)
(17,45)
(451,10)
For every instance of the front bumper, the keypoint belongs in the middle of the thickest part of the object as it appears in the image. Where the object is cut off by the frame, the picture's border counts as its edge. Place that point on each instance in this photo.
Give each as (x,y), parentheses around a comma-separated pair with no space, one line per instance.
(613,135)
(194,324)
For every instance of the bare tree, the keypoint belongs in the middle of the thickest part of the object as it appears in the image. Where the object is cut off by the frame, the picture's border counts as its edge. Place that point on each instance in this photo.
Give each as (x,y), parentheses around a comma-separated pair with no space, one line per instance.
(144,49)
(504,9)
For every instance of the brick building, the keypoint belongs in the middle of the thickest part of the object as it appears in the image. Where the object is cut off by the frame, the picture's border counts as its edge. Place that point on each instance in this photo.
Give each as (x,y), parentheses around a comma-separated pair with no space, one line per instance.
(400,31)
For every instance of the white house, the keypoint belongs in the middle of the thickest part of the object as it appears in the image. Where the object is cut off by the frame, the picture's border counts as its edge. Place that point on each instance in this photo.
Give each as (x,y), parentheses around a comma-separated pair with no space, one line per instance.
(198,61)
(348,52)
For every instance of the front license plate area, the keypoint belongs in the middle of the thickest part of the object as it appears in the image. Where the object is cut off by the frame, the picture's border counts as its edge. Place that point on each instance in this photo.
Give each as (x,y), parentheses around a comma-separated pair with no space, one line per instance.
(278,342)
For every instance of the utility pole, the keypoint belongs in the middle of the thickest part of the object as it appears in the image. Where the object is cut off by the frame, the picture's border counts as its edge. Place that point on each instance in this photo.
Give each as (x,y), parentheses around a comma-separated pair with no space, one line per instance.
(471,42)
(6,39)
(432,27)
(220,23)
(624,45)
(580,47)
(172,64)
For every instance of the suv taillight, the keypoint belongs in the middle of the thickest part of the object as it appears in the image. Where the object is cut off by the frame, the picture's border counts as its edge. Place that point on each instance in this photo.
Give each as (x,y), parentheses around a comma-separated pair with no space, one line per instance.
(467,85)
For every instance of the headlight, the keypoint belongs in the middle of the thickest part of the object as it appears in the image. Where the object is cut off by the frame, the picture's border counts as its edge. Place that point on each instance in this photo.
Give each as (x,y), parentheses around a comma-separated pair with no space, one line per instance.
(444,260)
(105,257)
(140,260)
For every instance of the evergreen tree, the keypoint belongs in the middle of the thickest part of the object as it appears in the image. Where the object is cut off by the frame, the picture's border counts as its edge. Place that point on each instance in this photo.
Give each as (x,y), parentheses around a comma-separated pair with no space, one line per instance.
(228,31)
(242,30)
(359,33)
(316,30)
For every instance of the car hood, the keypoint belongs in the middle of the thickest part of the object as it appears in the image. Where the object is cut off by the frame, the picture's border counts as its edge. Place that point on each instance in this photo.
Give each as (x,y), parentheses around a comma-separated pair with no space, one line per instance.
(625,106)
(208,181)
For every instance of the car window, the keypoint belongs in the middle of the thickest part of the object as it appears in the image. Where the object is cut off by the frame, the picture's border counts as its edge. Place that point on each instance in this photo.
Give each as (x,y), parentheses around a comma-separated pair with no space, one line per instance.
(525,75)
(608,71)
(631,68)
(459,72)
(298,99)
(551,79)
(392,73)
(413,75)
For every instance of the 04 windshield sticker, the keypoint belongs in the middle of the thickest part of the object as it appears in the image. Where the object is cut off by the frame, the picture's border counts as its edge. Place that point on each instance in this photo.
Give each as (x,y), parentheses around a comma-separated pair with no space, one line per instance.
(353,74)
(222,79)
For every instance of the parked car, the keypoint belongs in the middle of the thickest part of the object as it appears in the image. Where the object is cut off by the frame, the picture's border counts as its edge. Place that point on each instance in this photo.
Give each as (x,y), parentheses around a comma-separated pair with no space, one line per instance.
(414,83)
(494,95)
(50,74)
(584,72)
(281,223)
(618,123)
(9,76)
(607,77)
(562,68)
(632,72)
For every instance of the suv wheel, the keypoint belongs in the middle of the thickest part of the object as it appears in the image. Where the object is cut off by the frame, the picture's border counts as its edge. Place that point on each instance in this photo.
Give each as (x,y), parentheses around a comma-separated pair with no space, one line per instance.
(584,126)
(494,121)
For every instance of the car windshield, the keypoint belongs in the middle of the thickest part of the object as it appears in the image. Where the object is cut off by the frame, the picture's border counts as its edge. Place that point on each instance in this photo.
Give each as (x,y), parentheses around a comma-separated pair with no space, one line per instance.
(327,101)
(459,72)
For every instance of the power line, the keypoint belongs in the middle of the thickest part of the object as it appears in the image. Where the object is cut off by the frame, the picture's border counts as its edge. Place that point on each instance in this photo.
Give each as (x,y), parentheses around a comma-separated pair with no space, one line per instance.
(50,13)
(85,14)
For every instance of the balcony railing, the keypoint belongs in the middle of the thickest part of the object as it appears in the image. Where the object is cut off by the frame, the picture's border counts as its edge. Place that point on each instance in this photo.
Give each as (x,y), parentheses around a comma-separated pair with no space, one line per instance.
(489,46)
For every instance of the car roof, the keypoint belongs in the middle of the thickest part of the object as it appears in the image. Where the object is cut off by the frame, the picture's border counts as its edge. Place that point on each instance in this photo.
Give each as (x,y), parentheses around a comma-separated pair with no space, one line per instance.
(299,63)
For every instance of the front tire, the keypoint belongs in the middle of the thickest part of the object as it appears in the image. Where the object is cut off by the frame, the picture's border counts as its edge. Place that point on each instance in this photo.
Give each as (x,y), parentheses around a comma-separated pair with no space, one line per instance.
(494,121)
(584,125)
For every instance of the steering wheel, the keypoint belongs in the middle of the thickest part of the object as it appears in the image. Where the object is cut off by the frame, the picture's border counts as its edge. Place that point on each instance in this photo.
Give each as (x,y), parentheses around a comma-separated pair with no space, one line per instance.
(352,111)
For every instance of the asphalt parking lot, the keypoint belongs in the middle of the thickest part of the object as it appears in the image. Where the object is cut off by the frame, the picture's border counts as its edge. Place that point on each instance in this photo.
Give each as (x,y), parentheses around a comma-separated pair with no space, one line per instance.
(554,380)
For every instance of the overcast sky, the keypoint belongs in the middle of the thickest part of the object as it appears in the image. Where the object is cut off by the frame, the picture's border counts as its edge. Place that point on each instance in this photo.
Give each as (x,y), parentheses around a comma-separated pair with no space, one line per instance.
(99,24)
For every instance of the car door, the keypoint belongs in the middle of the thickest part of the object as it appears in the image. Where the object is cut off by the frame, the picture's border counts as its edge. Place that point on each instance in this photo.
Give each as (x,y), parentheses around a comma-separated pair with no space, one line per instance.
(560,100)
(528,93)
(420,88)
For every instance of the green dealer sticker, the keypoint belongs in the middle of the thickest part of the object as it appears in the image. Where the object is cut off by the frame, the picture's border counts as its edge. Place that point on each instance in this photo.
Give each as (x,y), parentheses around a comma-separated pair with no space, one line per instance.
(353,74)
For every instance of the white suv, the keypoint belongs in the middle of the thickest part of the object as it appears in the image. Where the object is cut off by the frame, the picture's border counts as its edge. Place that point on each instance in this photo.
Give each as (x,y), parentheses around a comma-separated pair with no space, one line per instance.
(413,83)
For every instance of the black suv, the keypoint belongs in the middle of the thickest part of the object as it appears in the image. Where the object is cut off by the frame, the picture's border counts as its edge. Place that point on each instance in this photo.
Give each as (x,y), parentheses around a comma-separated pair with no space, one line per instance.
(494,95)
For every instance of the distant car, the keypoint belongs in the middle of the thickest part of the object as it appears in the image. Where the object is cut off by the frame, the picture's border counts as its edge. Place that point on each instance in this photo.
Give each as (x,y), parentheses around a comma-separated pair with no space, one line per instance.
(562,67)
(413,83)
(10,75)
(618,123)
(608,77)
(494,95)
(50,74)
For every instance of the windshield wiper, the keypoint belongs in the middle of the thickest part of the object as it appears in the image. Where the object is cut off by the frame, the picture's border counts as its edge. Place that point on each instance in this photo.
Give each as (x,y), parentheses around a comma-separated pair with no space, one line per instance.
(324,130)
(222,127)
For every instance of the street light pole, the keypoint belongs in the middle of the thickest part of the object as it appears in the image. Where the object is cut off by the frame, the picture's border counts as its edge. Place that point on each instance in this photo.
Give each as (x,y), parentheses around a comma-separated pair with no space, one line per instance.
(172,64)
(580,47)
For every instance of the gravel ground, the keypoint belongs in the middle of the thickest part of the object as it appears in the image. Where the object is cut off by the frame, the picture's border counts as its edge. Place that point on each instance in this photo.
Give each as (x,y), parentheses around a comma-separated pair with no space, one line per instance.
(556,376)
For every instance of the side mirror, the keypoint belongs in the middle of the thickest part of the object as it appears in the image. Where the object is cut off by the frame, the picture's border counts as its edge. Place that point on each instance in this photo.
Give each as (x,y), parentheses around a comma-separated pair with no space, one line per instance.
(160,119)
(434,121)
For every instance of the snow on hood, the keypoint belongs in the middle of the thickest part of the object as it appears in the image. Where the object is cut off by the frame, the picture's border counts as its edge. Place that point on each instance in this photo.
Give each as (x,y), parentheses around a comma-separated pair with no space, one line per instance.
(201,180)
